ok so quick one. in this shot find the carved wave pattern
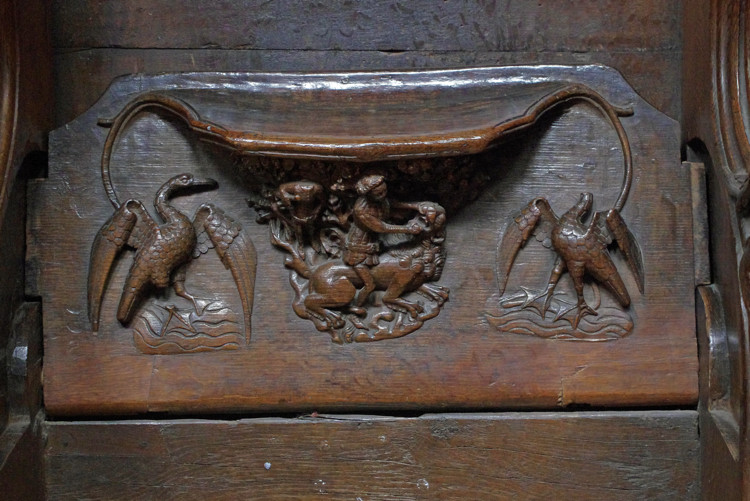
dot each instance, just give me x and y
(517, 314)
(165, 330)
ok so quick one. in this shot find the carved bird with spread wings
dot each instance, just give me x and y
(581, 250)
(163, 250)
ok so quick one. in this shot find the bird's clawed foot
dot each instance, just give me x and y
(532, 300)
(583, 310)
(174, 313)
(561, 310)
(199, 305)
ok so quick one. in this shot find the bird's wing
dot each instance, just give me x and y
(517, 232)
(129, 225)
(543, 232)
(610, 227)
(215, 229)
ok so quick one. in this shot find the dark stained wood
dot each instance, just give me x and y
(21, 449)
(25, 63)
(701, 232)
(605, 455)
(642, 70)
(612, 455)
(719, 427)
(457, 360)
(11, 290)
(715, 130)
(24, 122)
(104, 41)
(560, 25)
(650, 72)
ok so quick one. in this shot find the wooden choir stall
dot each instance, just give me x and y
(374, 250)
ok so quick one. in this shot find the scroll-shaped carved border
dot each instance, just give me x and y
(716, 90)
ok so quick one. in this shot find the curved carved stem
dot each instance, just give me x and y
(141, 103)
(613, 113)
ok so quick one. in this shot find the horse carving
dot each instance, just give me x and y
(403, 269)
(335, 295)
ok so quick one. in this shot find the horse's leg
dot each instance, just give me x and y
(363, 272)
(315, 305)
(392, 296)
(326, 294)
(435, 292)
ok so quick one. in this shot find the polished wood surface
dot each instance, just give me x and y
(25, 63)
(716, 133)
(592, 455)
(104, 41)
(463, 358)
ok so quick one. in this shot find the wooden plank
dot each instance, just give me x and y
(505, 25)
(715, 129)
(651, 73)
(601, 455)
(21, 471)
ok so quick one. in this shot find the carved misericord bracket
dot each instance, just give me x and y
(364, 258)
(418, 174)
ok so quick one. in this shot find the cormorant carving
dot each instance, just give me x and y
(163, 250)
(580, 249)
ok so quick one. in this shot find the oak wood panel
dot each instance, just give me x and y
(25, 63)
(456, 361)
(715, 128)
(624, 455)
(504, 25)
(21, 464)
(25, 118)
(104, 40)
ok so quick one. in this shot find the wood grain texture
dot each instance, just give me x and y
(455, 361)
(505, 25)
(105, 40)
(21, 471)
(715, 122)
(25, 116)
(625, 455)
(25, 63)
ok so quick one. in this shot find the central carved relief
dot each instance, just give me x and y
(357, 257)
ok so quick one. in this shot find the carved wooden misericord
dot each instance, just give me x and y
(388, 206)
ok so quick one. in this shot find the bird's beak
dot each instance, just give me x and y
(205, 184)
(587, 199)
